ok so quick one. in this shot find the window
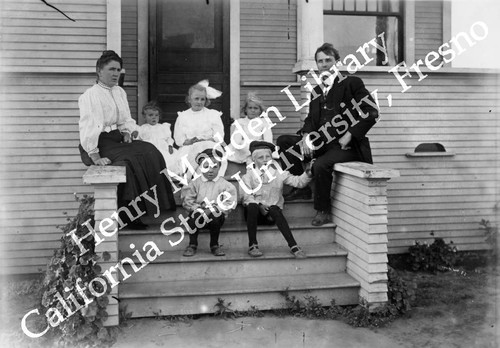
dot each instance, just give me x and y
(349, 24)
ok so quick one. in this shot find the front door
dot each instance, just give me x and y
(189, 42)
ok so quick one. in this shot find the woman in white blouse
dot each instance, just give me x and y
(107, 133)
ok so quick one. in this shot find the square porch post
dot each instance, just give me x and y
(104, 181)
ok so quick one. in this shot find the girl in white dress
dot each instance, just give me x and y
(199, 128)
(160, 135)
(241, 136)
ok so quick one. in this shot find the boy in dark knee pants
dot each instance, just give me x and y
(208, 199)
(262, 192)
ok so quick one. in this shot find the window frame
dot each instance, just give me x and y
(400, 15)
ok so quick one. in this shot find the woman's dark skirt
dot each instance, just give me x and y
(144, 164)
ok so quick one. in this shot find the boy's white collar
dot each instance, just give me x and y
(205, 179)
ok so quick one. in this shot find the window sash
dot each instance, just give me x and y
(332, 7)
(399, 14)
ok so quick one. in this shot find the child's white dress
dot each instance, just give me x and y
(160, 136)
(203, 124)
(239, 145)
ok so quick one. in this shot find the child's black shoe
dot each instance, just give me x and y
(217, 250)
(190, 251)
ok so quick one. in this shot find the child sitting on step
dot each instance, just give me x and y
(249, 127)
(262, 194)
(208, 199)
(199, 128)
(160, 135)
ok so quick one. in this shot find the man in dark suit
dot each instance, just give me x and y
(341, 112)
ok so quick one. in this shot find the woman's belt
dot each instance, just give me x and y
(108, 129)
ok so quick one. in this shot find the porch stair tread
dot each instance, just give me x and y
(232, 225)
(239, 254)
(220, 287)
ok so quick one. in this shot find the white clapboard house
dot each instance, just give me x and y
(435, 147)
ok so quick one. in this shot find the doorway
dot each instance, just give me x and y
(189, 42)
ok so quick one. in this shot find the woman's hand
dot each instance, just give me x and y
(102, 161)
(98, 160)
(345, 140)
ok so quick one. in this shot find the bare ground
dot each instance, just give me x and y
(453, 309)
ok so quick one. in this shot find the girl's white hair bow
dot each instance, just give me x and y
(212, 93)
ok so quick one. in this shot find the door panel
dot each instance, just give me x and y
(189, 42)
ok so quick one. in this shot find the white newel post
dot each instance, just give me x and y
(105, 180)
(360, 211)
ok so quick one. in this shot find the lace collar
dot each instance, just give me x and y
(104, 86)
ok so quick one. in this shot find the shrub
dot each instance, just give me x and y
(431, 258)
(400, 293)
(223, 310)
(400, 297)
(66, 268)
(490, 237)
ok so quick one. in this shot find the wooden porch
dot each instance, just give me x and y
(346, 260)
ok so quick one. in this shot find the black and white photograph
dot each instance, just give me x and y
(249, 173)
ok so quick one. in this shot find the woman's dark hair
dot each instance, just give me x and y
(106, 57)
(328, 49)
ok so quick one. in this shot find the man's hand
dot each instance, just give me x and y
(135, 134)
(306, 150)
(264, 209)
(345, 140)
(308, 168)
(127, 138)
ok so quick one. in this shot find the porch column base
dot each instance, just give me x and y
(104, 181)
(359, 208)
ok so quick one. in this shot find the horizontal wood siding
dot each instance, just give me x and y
(43, 168)
(48, 61)
(428, 27)
(129, 53)
(132, 99)
(129, 40)
(438, 196)
(37, 38)
(268, 52)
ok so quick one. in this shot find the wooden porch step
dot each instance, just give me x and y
(298, 208)
(233, 234)
(277, 261)
(200, 296)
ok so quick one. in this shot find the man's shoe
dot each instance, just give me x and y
(321, 218)
(190, 251)
(217, 250)
(303, 193)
